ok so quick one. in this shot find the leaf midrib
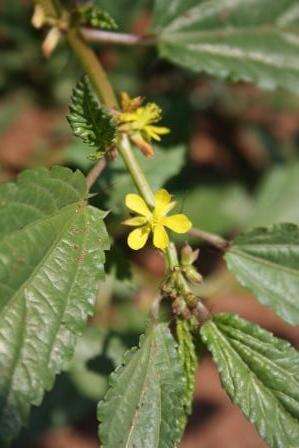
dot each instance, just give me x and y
(262, 293)
(46, 218)
(36, 269)
(226, 341)
(257, 246)
(229, 31)
(58, 326)
(273, 391)
(261, 355)
(89, 105)
(143, 388)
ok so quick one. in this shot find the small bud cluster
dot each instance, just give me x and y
(177, 287)
(188, 257)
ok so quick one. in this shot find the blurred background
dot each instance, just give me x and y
(232, 160)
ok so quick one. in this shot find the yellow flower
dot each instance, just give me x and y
(154, 221)
(139, 122)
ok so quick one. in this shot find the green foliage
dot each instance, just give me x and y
(240, 40)
(266, 260)
(90, 120)
(278, 197)
(51, 256)
(261, 375)
(144, 403)
(92, 15)
(165, 11)
(189, 359)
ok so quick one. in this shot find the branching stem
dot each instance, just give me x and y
(110, 37)
(211, 238)
(93, 68)
(172, 256)
(103, 89)
(95, 172)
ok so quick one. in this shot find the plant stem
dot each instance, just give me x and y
(103, 89)
(95, 172)
(211, 238)
(135, 170)
(110, 37)
(93, 68)
(105, 93)
(172, 256)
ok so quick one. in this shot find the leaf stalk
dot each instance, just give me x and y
(111, 37)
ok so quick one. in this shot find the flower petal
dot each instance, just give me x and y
(138, 237)
(155, 131)
(161, 240)
(178, 223)
(162, 196)
(136, 221)
(163, 202)
(135, 203)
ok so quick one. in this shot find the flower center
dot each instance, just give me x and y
(155, 220)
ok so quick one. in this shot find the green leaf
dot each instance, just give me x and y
(161, 167)
(165, 11)
(260, 373)
(188, 355)
(144, 403)
(216, 208)
(51, 256)
(266, 261)
(278, 197)
(250, 40)
(90, 120)
(94, 16)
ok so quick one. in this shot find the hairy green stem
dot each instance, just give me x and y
(93, 68)
(103, 89)
(111, 37)
(172, 256)
(211, 238)
(135, 170)
(95, 172)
